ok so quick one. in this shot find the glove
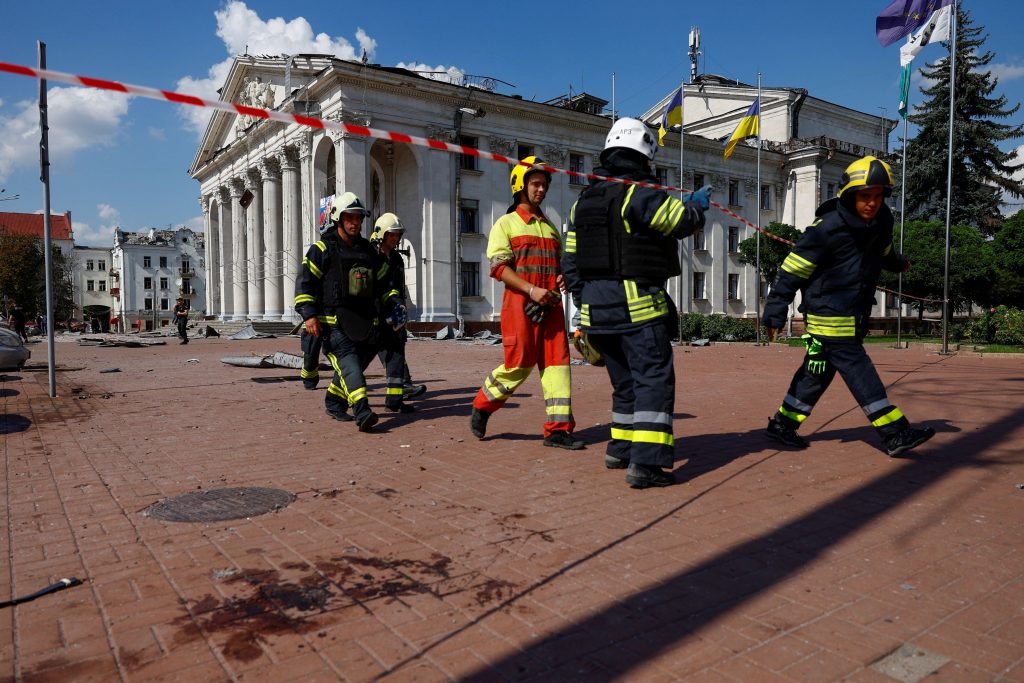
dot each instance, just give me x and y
(397, 317)
(816, 362)
(535, 312)
(702, 198)
(582, 343)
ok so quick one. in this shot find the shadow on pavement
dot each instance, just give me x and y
(12, 424)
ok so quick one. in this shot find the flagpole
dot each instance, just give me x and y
(949, 176)
(682, 141)
(757, 266)
(903, 218)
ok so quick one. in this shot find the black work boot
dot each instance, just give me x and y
(787, 435)
(367, 422)
(563, 439)
(400, 408)
(645, 476)
(340, 415)
(478, 423)
(410, 390)
(907, 438)
(614, 463)
(310, 384)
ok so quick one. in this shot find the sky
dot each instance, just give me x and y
(118, 161)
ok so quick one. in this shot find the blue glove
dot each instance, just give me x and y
(398, 316)
(702, 198)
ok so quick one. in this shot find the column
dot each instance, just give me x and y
(351, 154)
(310, 207)
(291, 210)
(254, 246)
(273, 240)
(224, 258)
(239, 266)
(212, 231)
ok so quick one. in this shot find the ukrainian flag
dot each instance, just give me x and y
(672, 115)
(749, 126)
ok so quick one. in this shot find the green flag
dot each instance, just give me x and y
(905, 89)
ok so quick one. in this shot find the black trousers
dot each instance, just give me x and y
(350, 359)
(182, 333)
(639, 364)
(311, 345)
(851, 361)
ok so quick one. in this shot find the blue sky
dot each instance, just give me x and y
(118, 161)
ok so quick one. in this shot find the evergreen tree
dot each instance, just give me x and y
(981, 170)
(773, 252)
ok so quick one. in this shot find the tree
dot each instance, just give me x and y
(981, 170)
(23, 276)
(971, 273)
(773, 252)
(1007, 251)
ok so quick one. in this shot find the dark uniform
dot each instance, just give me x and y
(311, 345)
(180, 319)
(392, 341)
(836, 265)
(620, 250)
(347, 288)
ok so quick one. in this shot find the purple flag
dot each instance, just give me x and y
(902, 17)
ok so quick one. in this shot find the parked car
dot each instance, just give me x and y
(13, 354)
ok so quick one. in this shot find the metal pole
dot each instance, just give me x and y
(903, 219)
(682, 144)
(757, 266)
(949, 179)
(44, 170)
(614, 117)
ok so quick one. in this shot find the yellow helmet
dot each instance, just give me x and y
(388, 222)
(517, 179)
(866, 172)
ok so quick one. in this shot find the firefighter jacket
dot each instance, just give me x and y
(835, 264)
(529, 245)
(348, 286)
(620, 249)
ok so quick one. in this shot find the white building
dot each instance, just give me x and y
(93, 288)
(151, 269)
(261, 181)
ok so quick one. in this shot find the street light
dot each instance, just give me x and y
(5, 199)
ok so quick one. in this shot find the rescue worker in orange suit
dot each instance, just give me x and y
(387, 233)
(620, 250)
(524, 251)
(343, 291)
(835, 265)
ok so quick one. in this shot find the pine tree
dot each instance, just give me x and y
(981, 170)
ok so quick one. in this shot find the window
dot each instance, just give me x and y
(102, 285)
(524, 151)
(163, 261)
(766, 197)
(165, 305)
(186, 267)
(90, 285)
(186, 287)
(734, 239)
(147, 262)
(148, 304)
(734, 287)
(470, 278)
(184, 240)
(576, 164)
(163, 283)
(698, 286)
(89, 264)
(469, 214)
(734, 192)
(830, 191)
(698, 181)
(662, 174)
(698, 240)
(147, 283)
(101, 265)
(467, 162)
(891, 300)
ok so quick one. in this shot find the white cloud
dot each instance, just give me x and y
(88, 236)
(79, 118)
(108, 213)
(195, 224)
(1007, 72)
(157, 133)
(448, 74)
(243, 31)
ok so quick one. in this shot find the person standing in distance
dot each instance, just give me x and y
(835, 265)
(619, 252)
(181, 319)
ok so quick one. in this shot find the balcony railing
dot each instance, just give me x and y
(187, 272)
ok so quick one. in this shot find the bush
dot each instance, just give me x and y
(716, 328)
(1000, 325)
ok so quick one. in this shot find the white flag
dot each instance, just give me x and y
(933, 30)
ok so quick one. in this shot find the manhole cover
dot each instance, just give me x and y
(217, 505)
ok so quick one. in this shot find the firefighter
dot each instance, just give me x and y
(312, 344)
(620, 250)
(835, 265)
(387, 233)
(343, 290)
(524, 248)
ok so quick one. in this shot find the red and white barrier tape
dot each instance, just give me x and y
(341, 127)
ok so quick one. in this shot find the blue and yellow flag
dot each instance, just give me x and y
(748, 127)
(672, 115)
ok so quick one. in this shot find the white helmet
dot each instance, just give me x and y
(388, 222)
(347, 203)
(632, 134)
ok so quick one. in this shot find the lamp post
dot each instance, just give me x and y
(457, 260)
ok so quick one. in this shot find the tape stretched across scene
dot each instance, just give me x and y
(342, 127)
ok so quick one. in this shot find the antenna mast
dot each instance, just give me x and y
(694, 52)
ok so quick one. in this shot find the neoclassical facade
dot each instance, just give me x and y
(262, 181)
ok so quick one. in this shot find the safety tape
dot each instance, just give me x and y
(342, 127)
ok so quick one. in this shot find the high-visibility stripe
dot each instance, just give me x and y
(794, 402)
(320, 245)
(646, 436)
(875, 406)
(357, 395)
(625, 203)
(831, 326)
(622, 418)
(622, 434)
(304, 299)
(890, 417)
(652, 417)
(798, 266)
(309, 374)
(792, 414)
(329, 319)
(393, 391)
(570, 242)
(312, 268)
